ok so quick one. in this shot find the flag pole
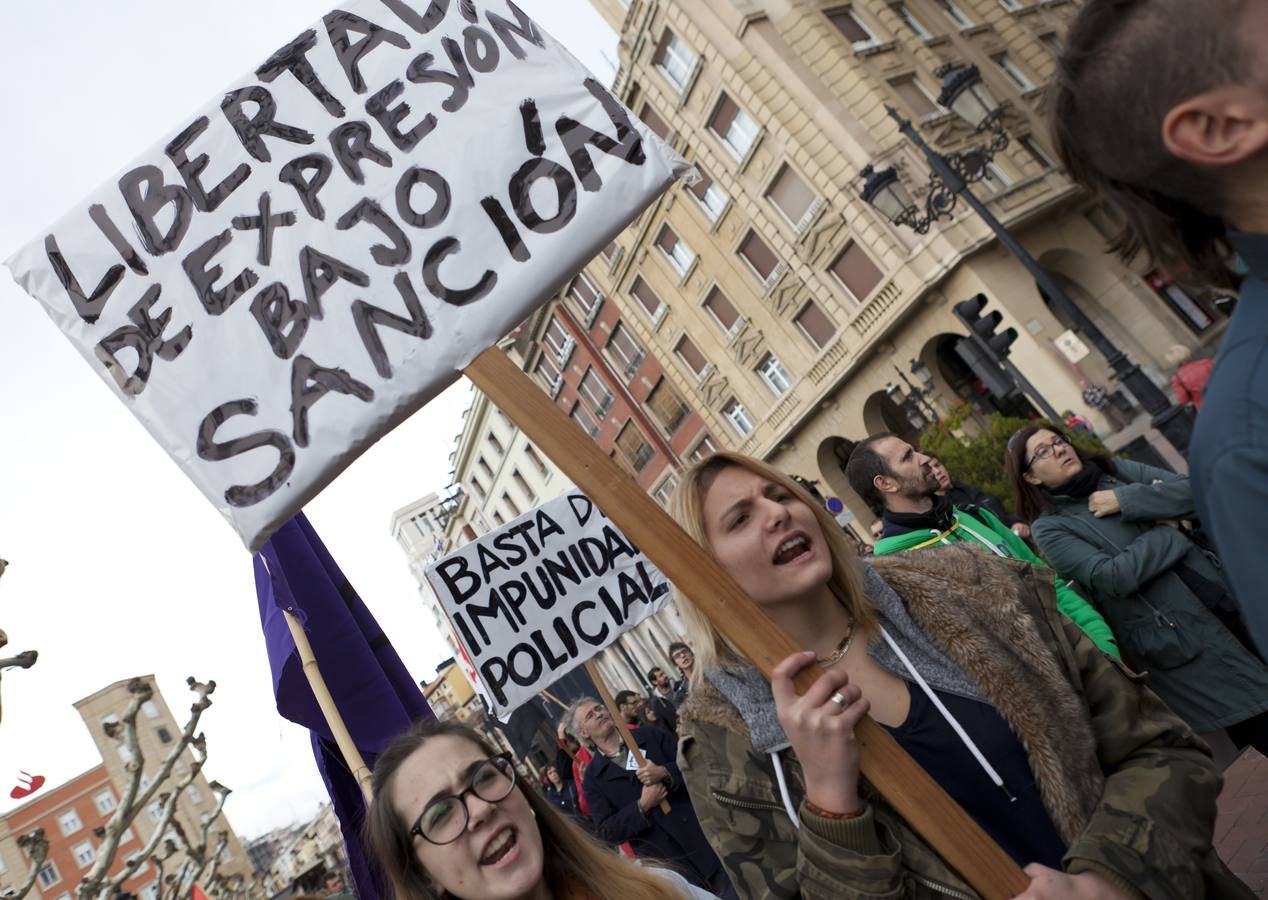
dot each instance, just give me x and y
(898, 778)
(351, 755)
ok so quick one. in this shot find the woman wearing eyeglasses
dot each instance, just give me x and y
(450, 819)
(1110, 525)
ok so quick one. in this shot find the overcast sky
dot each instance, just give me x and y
(118, 565)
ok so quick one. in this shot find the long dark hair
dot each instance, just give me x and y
(571, 855)
(1124, 66)
(1031, 500)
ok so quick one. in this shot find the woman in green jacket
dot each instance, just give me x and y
(1106, 524)
(1061, 754)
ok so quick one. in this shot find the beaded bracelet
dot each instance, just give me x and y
(822, 813)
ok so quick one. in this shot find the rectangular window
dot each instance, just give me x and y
(634, 446)
(738, 416)
(955, 14)
(582, 417)
(1014, 72)
(69, 822)
(585, 297)
(723, 312)
(916, 98)
(679, 254)
(480, 490)
(625, 350)
(156, 810)
(994, 178)
(595, 392)
(548, 374)
(795, 199)
(498, 519)
(774, 375)
(1012, 5)
(495, 444)
(1036, 152)
(612, 252)
(529, 495)
(712, 199)
(654, 121)
(675, 60)
(667, 405)
(150, 708)
(856, 272)
(164, 736)
(194, 794)
(733, 127)
(48, 875)
(815, 325)
(646, 297)
(858, 34)
(485, 467)
(535, 458)
(557, 340)
(663, 491)
(753, 250)
(84, 854)
(917, 27)
(510, 505)
(691, 356)
(105, 801)
(703, 450)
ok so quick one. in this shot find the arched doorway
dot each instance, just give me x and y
(831, 457)
(890, 410)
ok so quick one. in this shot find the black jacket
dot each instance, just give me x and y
(674, 837)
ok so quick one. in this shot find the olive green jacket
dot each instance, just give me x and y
(1127, 784)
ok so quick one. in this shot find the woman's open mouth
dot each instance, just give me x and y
(792, 550)
(502, 849)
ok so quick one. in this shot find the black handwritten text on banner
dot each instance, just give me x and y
(539, 596)
(320, 251)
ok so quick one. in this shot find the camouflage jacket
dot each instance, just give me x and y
(1127, 783)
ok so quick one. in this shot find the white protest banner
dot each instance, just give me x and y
(311, 257)
(539, 596)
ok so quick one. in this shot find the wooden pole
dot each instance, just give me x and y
(899, 779)
(351, 755)
(615, 713)
(553, 699)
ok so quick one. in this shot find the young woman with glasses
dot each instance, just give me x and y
(450, 818)
(1111, 525)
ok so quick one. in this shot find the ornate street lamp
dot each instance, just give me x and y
(922, 374)
(964, 93)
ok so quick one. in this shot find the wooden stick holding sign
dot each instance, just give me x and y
(639, 759)
(900, 780)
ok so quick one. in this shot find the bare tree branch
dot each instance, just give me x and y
(36, 846)
(96, 883)
(23, 660)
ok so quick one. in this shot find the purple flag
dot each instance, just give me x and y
(370, 685)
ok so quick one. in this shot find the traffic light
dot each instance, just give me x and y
(985, 348)
(970, 313)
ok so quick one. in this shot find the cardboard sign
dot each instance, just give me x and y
(315, 254)
(1071, 346)
(539, 596)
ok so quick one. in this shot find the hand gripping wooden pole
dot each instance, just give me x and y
(351, 755)
(626, 736)
(898, 778)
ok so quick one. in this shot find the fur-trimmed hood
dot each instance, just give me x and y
(997, 620)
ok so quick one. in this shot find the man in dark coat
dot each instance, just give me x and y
(625, 799)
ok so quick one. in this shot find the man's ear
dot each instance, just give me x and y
(884, 484)
(1221, 127)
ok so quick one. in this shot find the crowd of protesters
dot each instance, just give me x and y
(1057, 663)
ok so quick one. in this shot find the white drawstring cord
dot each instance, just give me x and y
(783, 789)
(946, 714)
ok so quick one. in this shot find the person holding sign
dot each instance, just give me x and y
(1059, 752)
(450, 818)
(625, 798)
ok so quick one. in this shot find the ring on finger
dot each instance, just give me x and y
(840, 700)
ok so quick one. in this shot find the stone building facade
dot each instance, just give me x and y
(787, 309)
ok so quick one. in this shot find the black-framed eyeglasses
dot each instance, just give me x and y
(1043, 451)
(444, 819)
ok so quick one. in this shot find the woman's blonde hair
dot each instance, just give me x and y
(687, 507)
(570, 855)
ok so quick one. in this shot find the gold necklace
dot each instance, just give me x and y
(827, 662)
